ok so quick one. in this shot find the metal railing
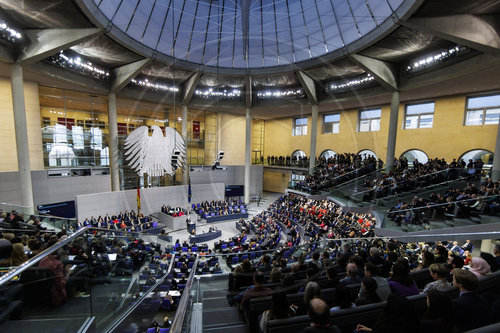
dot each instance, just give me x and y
(441, 204)
(416, 179)
(180, 316)
(36, 259)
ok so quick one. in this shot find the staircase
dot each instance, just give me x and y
(218, 315)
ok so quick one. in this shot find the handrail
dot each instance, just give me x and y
(441, 204)
(182, 307)
(30, 230)
(139, 301)
(429, 174)
(356, 179)
(24, 266)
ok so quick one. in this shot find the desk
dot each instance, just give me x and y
(205, 237)
(173, 293)
(218, 218)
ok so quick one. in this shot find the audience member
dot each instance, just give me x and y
(470, 310)
(440, 274)
(318, 311)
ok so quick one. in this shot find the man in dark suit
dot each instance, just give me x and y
(319, 313)
(470, 310)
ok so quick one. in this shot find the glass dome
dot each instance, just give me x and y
(246, 33)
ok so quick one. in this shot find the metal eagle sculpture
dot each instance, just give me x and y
(153, 154)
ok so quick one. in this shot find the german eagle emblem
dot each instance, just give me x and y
(155, 155)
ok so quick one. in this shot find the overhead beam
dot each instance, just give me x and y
(383, 72)
(189, 88)
(479, 32)
(309, 87)
(122, 75)
(46, 42)
(57, 73)
(248, 92)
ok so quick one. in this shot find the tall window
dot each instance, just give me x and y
(369, 120)
(331, 123)
(299, 126)
(483, 110)
(419, 115)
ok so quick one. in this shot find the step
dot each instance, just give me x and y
(242, 328)
(214, 303)
(213, 318)
(476, 219)
(438, 225)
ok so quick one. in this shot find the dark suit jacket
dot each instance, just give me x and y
(470, 311)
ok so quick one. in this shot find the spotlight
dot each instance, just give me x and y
(175, 159)
(217, 160)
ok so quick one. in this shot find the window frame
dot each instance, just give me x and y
(419, 115)
(483, 109)
(302, 127)
(360, 111)
(331, 122)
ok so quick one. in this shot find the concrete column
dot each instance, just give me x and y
(314, 134)
(23, 153)
(393, 131)
(184, 134)
(248, 143)
(495, 172)
(113, 142)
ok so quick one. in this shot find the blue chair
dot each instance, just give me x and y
(190, 264)
(151, 330)
(184, 249)
(166, 305)
(181, 286)
(193, 206)
(245, 256)
(234, 260)
(231, 244)
(194, 249)
(252, 256)
(164, 287)
(223, 246)
(164, 330)
(143, 277)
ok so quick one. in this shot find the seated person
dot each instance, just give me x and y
(318, 311)
(352, 277)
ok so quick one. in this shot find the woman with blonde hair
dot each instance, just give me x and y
(17, 256)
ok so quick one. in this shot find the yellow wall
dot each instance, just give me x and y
(448, 138)
(275, 181)
(232, 142)
(8, 162)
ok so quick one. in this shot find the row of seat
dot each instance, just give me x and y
(347, 319)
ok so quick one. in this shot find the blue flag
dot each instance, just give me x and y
(189, 189)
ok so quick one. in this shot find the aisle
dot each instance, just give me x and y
(218, 316)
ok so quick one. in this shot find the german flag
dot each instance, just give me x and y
(138, 200)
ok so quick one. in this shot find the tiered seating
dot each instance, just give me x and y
(337, 170)
(221, 210)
